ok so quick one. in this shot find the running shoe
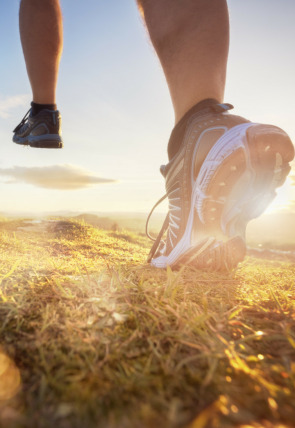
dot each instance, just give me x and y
(42, 130)
(225, 173)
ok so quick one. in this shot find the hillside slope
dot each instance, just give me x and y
(91, 336)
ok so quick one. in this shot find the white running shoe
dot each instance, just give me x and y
(225, 173)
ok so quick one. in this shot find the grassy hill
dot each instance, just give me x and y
(273, 230)
(134, 222)
(276, 230)
(92, 336)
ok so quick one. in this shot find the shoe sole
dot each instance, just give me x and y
(240, 177)
(236, 183)
(215, 255)
(42, 142)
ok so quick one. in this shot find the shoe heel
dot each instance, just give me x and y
(270, 150)
(245, 182)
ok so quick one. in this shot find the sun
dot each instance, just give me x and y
(285, 198)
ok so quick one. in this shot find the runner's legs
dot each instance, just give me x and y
(191, 39)
(42, 38)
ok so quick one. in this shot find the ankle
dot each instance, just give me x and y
(36, 108)
(178, 131)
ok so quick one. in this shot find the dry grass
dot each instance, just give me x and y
(91, 336)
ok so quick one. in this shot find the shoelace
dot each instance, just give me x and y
(157, 240)
(24, 120)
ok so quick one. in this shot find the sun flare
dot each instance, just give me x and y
(285, 199)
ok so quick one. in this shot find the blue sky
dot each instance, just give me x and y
(117, 115)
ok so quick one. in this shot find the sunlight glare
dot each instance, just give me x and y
(285, 198)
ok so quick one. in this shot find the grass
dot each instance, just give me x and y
(91, 336)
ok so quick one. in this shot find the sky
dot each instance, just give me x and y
(115, 105)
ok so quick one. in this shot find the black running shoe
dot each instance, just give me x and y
(225, 173)
(42, 130)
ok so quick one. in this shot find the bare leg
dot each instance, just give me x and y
(42, 37)
(191, 38)
(228, 168)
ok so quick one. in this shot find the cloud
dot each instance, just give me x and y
(60, 177)
(9, 103)
(292, 179)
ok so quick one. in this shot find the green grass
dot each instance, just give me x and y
(91, 336)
